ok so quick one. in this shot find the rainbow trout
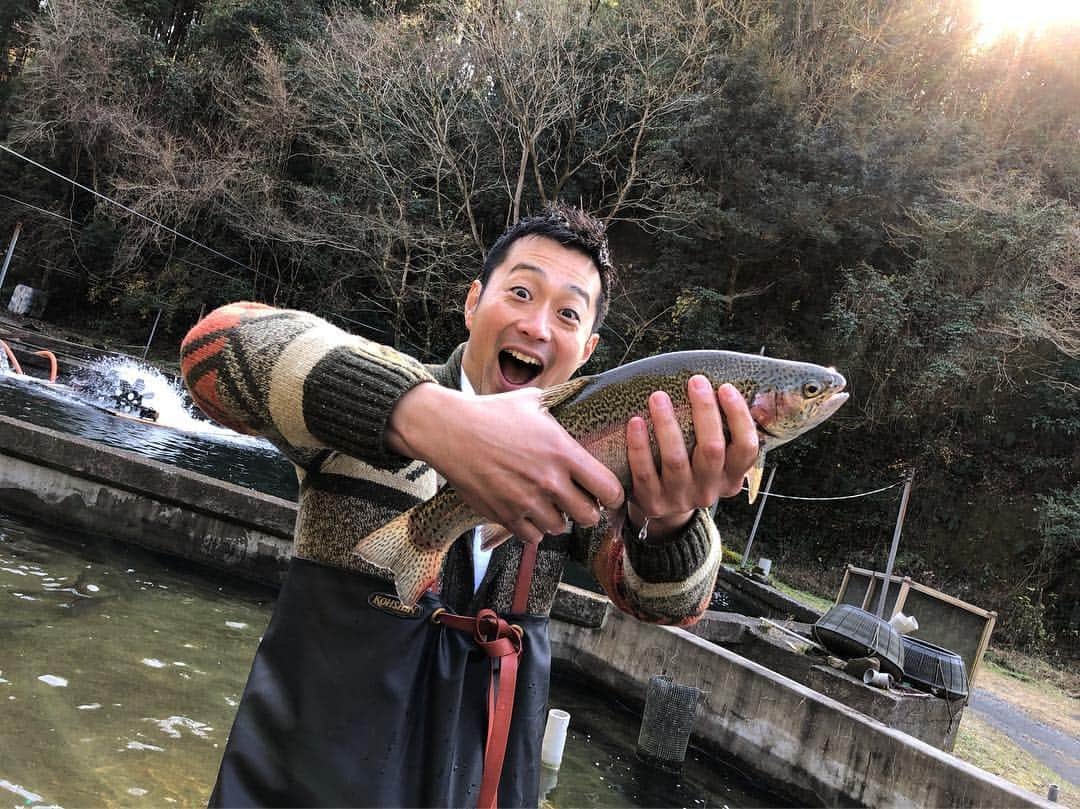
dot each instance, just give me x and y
(786, 399)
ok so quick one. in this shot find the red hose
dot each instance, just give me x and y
(11, 358)
(52, 362)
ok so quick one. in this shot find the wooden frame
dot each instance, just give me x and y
(874, 581)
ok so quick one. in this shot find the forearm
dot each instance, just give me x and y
(418, 418)
(296, 379)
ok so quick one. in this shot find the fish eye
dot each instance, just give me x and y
(812, 388)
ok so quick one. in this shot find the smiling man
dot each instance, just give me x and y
(354, 699)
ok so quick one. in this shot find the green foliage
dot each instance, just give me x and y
(1059, 524)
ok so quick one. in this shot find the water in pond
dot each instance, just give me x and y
(177, 438)
(120, 674)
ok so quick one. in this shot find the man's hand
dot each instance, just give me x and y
(507, 457)
(669, 495)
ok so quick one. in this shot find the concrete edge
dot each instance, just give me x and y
(128, 471)
(798, 741)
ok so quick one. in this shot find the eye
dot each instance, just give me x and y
(521, 292)
(812, 388)
(570, 314)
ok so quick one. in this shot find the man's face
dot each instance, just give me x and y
(532, 326)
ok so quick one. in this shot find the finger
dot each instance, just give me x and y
(675, 472)
(580, 507)
(742, 450)
(524, 530)
(643, 473)
(547, 517)
(710, 445)
(599, 483)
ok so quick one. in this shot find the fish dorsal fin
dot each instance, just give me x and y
(557, 394)
(753, 477)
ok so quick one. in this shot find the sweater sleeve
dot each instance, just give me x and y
(299, 381)
(668, 582)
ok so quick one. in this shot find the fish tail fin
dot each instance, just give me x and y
(393, 548)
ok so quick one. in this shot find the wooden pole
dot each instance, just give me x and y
(895, 543)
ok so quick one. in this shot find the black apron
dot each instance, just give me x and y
(351, 704)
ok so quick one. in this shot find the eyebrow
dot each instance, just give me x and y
(540, 270)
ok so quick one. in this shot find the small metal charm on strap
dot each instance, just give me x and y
(643, 534)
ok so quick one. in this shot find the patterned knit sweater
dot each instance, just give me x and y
(324, 397)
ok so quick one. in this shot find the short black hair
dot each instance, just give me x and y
(570, 227)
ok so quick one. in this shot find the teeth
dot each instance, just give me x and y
(522, 358)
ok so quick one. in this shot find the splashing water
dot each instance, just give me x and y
(107, 380)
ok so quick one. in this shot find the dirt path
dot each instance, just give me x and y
(1055, 748)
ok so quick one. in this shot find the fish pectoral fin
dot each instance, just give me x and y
(753, 476)
(557, 394)
(492, 534)
(392, 548)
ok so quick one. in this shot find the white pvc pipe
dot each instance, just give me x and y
(904, 623)
(878, 679)
(551, 751)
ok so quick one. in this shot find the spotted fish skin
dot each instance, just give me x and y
(786, 399)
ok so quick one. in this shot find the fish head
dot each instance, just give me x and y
(797, 398)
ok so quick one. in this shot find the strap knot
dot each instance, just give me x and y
(495, 636)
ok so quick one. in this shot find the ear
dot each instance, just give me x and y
(471, 300)
(590, 347)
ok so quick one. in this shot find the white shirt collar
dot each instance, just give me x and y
(480, 557)
(466, 385)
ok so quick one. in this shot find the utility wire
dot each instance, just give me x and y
(129, 210)
(838, 497)
(77, 226)
(39, 210)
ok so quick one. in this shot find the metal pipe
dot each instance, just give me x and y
(757, 517)
(10, 250)
(151, 338)
(895, 543)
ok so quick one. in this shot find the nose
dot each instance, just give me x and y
(536, 324)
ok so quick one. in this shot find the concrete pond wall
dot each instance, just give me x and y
(797, 740)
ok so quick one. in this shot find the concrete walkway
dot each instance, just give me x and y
(1058, 751)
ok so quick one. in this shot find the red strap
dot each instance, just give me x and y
(524, 578)
(502, 643)
(500, 711)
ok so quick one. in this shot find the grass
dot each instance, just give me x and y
(989, 749)
(809, 599)
(819, 603)
(1035, 670)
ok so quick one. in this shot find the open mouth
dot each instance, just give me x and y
(518, 368)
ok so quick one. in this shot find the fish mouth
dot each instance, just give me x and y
(519, 368)
(765, 432)
(832, 405)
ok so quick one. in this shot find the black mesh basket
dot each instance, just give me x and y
(667, 722)
(931, 668)
(849, 631)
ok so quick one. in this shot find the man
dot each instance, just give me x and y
(354, 699)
